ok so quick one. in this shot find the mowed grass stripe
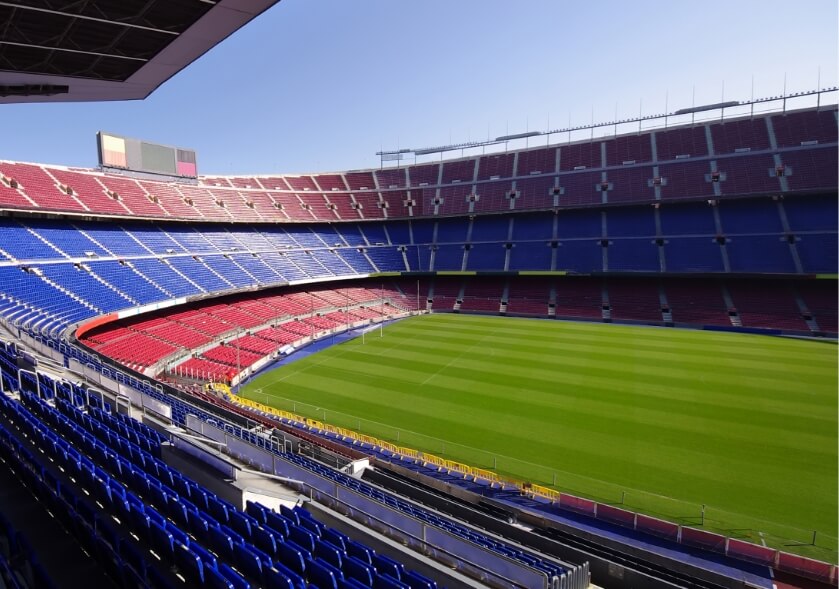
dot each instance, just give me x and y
(695, 452)
(679, 397)
(568, 428)
(572, 352)
(597, 401)
(689, 422)
(721, 344)
(607, 455)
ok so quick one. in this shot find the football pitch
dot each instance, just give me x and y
(659, 420)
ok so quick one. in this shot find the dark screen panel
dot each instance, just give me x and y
(157, 158)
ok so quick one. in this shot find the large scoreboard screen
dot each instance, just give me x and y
(116, 151)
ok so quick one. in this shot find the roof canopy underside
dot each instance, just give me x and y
(77, 50)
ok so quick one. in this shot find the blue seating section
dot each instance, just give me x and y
(448, 257)
(817, 252)
(549, 568)
(814, 213)
(580, 255)
(759, 253)
(191, 239)
(84, 285)
(633, 255)
(693, 254)
(126, 280)
(748, 216)
(163, 275)
(168, 499)
(493, 228)
(222, 240)
(350, 235)
(19, 567)
(198, 273)
(579, 223)
(226, 267)
(374, 233)
(533, 227)
(308, 264)
(422, 231)
(304, 237)
(451, 231)
(693, 218)
(333, 262)
(386, 257)
(279, 238)
(283, 266)
(221, 259)
(399, 232)
(530, 256)
(67, 239)
(180, 525)
(631, 222)
(114, 239)
(30, 294)
(254, 265)
(24, 245)
(356, 261)
(486, 256)
(152, 237)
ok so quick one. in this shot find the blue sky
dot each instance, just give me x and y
(321, 85)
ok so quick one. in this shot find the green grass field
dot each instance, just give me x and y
(662, 419)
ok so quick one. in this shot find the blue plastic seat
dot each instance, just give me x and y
(178, 534)
(257, 510)
(329, 553)
(266, 540)
(315, 527)
(361, 571)
(323, 574)
(279, 523)
(417, 581)
(199, 526)
(239, 522)
(302, 537)
(293, 556)
(335, 537)
(221, 543)
(208, 559)
(237, 580)
(360, 552)
(162, 542)
(247, 562)
(387, 566)
(189, 564)
(215, 580)
(177, 511)
(217, 509)
(290, 514)
(276, 579)
(388, 582)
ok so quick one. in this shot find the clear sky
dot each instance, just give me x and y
(321, 85)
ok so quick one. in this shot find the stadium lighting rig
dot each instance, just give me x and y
(400, 154)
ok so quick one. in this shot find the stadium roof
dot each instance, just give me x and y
(80, 50)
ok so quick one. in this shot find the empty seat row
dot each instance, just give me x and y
(195, 534)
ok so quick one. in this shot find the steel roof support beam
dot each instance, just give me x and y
(90, 18)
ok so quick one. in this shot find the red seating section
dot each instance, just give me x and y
(684, 156)
(141, 342)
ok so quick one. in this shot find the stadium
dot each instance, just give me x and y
(595, 355)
